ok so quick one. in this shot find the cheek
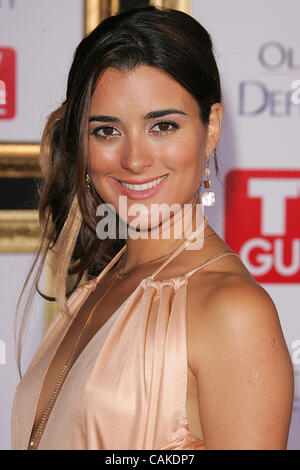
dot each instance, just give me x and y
(101, 160)
(186, 153)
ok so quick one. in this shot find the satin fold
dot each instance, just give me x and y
(128, 387)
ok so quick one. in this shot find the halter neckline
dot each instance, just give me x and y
(193, 242)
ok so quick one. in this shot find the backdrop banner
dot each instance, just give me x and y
(257, 209)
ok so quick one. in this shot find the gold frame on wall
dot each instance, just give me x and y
(19, 231)
(183, 5)
(19, 160)
(96, 10)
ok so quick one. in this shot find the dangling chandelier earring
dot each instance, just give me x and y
(208, 197)
(88, 181)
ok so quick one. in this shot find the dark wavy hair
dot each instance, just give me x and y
(167, 39)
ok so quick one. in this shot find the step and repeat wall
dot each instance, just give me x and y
(257, 209)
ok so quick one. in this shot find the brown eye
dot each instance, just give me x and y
(104, 132)
(164, 127)
(107, 130)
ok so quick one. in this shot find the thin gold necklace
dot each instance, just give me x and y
(37, 430)
(119, 275)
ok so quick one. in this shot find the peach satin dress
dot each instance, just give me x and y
(128, 387)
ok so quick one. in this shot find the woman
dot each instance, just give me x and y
(173, 345)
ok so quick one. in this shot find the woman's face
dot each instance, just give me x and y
(144, 126)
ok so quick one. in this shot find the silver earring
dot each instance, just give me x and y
(88, 181)
(208, 197)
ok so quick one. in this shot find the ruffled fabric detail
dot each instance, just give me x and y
(174, 282)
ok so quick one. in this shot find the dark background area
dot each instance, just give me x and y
(125, 4)
(18, 194)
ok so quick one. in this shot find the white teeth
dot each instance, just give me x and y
(142, 187)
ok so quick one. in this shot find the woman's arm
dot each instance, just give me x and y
(243, 369)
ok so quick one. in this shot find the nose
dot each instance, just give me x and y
(136, 155)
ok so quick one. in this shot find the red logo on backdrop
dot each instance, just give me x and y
(262, 222)
(7, 83)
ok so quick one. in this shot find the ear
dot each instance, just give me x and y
(214, 127)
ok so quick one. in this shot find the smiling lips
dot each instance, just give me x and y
(141, 190)
(143, 186)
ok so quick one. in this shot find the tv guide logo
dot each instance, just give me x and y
(7, 83)
(262, 222)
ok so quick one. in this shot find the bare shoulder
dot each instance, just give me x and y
(238, 356)
(226, 302)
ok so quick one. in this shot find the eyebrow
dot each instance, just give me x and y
(151, 115)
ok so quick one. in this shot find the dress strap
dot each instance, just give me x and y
(109, 266)
(213, 258)
(186, 244)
